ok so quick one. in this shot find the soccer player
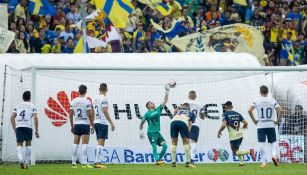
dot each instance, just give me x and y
(152, 116)
(182, 123)
(81, 121)
(232, 120)
(101, 111)
(194, 132)
(266, 121)
(21, 121)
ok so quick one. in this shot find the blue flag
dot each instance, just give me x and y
(41, 7)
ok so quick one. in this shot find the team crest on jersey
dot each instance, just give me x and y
(57, 110)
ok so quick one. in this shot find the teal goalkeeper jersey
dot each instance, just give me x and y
(153, 119)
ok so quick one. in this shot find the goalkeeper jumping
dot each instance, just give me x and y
(152, 116)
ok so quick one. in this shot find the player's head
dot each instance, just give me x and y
(185, 106)
(228, 105)
(150, 105)
(26, 96)
(192, 95)
(103, 87)
(82, 89)
(264, 90)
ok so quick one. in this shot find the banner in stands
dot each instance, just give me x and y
(6, 38)
(228, 38)
(128, 93)
(3, 16)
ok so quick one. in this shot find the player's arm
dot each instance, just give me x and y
(251, 114)
(13, 116)
(224, 124)
(105, 111)
(202, 114)
(71, 119)
(245, 124)
(36, 125)
(165, 97)
(280, 113)
(91, 117)
(141, 127)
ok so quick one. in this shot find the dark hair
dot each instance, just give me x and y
(186, 106)
(300, 107)
(264, 89)
(103, 87)
(82, 89)
(147, 104)
(228, 104)
(25, 42)
(26, 96)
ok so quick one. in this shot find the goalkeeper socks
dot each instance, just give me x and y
(174, 149)
(262, 152)
(74, 154)
(243, 152)
(273, 148)
(20, 154)
(84, 154)
(98, 154)
(193, 150)
(162, 153)
(155, 152)
(28, 154)
(187, 152)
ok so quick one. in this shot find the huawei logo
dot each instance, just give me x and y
(58, 109)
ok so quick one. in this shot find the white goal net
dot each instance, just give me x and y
(130, 89)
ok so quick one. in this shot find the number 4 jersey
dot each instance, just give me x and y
(80, 106)
(24, 113)
(266, 111)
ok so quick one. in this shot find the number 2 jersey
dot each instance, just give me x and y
(266, 111)
(80, 106)
(233, 121)
(24, 113)
(100, 102)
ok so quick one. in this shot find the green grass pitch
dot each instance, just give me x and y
(201, 169)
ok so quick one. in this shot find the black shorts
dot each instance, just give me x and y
(23, 134)
(194, 133)
(81, 129)
(235, 144)
(101, 131)
(266, 132)
(179, 127)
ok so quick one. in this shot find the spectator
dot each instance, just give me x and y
(12, 48)
(176, 8)
(286, 50)
(57, 47)
(298, 53)
(73, 16)
(296, 122)
(67, 33)
(184, 17)
(213, 9)
(39, 42)
(127, 46)
(20, 11)
(22, 44)
(138, 36)
(257, 19)
(47, 46)
(69, 46)
(13, 28)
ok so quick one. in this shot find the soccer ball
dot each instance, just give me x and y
(172, 83)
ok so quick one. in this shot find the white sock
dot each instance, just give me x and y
(193, 150)
(273, 149)
(99, 151)
(20, 154)
(84, 154)
(28, 151)
(262, 152)
(74, 154)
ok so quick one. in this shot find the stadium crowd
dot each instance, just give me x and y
(283, 23)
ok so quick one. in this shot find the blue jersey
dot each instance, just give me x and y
(233, 120)
(185, 115)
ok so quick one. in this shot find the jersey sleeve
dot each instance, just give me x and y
(144, 117)
(160, 108)
(89, 105)
(276, 105)
(104, 103)
(34, 110)
(15, 110)
(223, 117)
(254, 104)
(241, 117)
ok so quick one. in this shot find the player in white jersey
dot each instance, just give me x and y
(196, 108)
(81, 120)
(266, 122)
(21, 120)
(101, 106)
(181, 123)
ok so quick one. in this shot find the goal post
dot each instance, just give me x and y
(129, 90)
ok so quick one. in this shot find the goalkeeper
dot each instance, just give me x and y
(152, 116)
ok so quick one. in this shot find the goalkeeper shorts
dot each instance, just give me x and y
(155, 138)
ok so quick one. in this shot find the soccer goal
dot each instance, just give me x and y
(130, 88)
